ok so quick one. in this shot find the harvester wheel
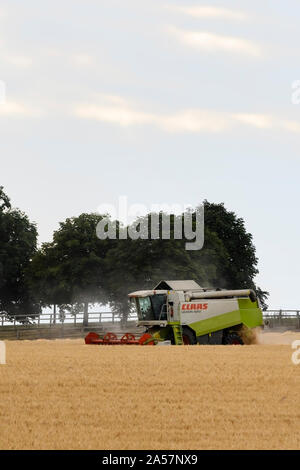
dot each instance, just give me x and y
(188, 336)
(127, 338)
(232, 338)
(91, 337)
(109, 337)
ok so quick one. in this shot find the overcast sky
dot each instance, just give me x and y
(164, 102)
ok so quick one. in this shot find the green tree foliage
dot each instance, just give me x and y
(227, 259)
(69, 271)
(77, 267)
(240, 268)
(17, 246)
(140, 264)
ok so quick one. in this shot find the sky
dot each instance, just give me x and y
(161, 102)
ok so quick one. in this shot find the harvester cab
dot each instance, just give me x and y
(185, 313)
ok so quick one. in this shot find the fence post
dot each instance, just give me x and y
(280, 317)
(54, 314)
(39, 320)
(298, 317)
(86, 314)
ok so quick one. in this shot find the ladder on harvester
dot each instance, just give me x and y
(177, 330)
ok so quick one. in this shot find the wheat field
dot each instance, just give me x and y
(63, 394)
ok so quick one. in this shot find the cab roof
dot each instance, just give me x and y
(177, 285)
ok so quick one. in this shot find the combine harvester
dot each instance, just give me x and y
(182, 312)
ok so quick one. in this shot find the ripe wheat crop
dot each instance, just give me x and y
(64, 394)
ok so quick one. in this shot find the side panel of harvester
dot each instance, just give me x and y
(212, 315)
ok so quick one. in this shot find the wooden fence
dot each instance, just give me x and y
(49, 319)
(282, 318)
(49, 325)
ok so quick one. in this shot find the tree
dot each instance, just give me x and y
(77, 268)
(142, 263)
(227, 259)
(69, 271)
(18, 238)
(240, 268)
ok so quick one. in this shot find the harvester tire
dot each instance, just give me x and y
(188, 336)
(232, 338)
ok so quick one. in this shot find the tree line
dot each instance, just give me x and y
(76, 268)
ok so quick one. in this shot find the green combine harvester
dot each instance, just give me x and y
(184, 313)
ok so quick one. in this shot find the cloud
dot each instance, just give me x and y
(16, 60)
(260, 121)
(116, 110)
(292, 126)
(15, 109)
(82, 60)
(195, 121)
(210, 42)
(267, 121)
(19, 61)
(211, 12)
